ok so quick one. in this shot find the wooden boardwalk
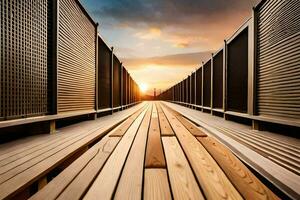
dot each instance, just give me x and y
(276, 157)
(155, 153)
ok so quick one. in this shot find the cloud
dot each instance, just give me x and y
(162, 72)
(188, 60)
(149, 34)
(183, 23)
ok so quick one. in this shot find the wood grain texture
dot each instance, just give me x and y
(156, 185)
(121, 130)
(131, 181)
(281, 177)
(212, 179)
(191, 127)
(188, 124)
(22, 176)
(182, 180)
(154, 152)
(66, 181)
(165, 127)
(247, 184)
(80, 184)
(105, 183)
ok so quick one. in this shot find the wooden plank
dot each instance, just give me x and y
(87, 166)
(31, 172)
(282, 178)
(105, 183)
(37, 155)
(15, 155)
(130, 183)
(19, 148)
(41, 157)
(291, 163)
(212, 179)
(182, 180)
(156, 185)
(77, 188)
(188, 124)
(165, 127)
(59, 183)
(38, 142)
(191, 127)
(242, 178)
(121, 130)
(154, 152)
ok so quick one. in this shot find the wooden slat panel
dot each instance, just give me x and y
(154, 151)
(76, 58)
(182, 180)
(130, 184)
(207, 84)
(156, 185)
(218, 80)
(106, 181)
(242, 178)
(212, 179)
(278, 58)
(237, 73)
(24, 58)
(104, 75)
(165, 127)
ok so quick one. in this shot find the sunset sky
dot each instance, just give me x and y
(160, 42)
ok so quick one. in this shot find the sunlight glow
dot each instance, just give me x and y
(143, 87)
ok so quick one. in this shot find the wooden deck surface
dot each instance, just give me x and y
(276, 157)
(156, 154)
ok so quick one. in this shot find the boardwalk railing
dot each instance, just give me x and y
(255, 74)
(54, 65)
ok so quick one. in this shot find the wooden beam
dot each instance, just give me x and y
(242, 178)
(156, 185)
(212, 179)
(154, 152)
(105, 183)
(182, 180)
(130, 184)
(165, 127)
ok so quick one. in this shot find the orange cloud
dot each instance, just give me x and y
(149, 34)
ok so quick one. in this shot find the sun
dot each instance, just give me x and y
(143, 87)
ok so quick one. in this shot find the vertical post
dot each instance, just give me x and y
(225, 64)
(255, 124)
(195, 89)
(224, 75)
(112, 80)
(53, 52)
(173, 93)
(125, 84)
(97, 70)
(52, 126)
(202, 71)
(121, 86)
(54, 57)
(179, 92)
(191, 90)
(187, 90)
(255, 66)
(251, 64)
(212, 82)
